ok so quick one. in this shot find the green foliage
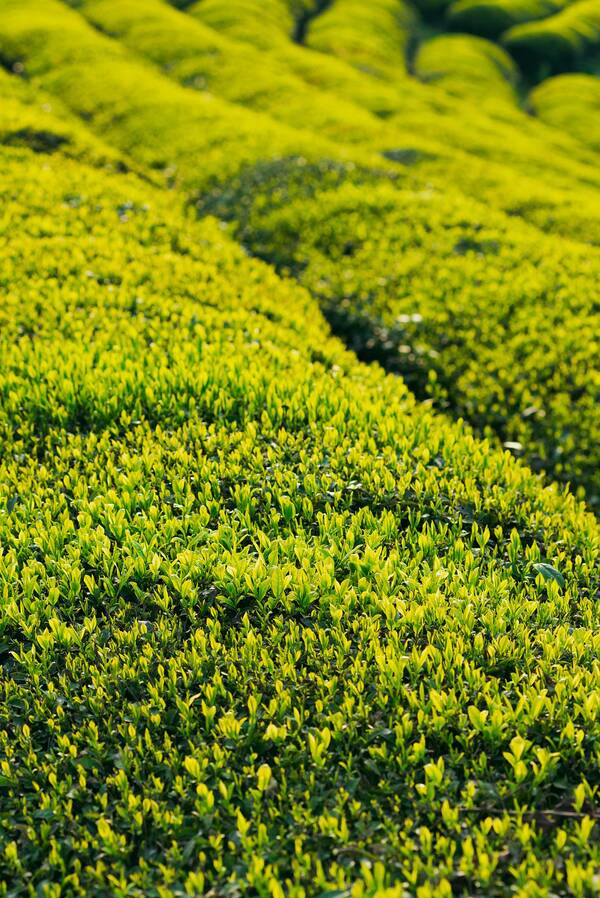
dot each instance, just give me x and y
(559, 43)
(490, 150)
(490, 18)
(266, 23)
(39, 123)
(271, 625)
(467, 66)
(201, 58)
(571, 102)
(132, 104)
(373, 37)
(551, 411)
(406, 277)
(268, 625)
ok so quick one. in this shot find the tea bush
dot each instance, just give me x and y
(475, 148)
(467, 66)
(265, 23)
(571, 102)
(269, 627)
(490, 18)
(559, 43)
(550, 412)
(408, 278)
(271, 624)
(374, 37)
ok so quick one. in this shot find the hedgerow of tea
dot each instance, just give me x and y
(299, 565)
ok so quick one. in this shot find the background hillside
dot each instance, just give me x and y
(300, 430)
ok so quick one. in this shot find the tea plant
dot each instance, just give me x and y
(445, 349)
(272, 625)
